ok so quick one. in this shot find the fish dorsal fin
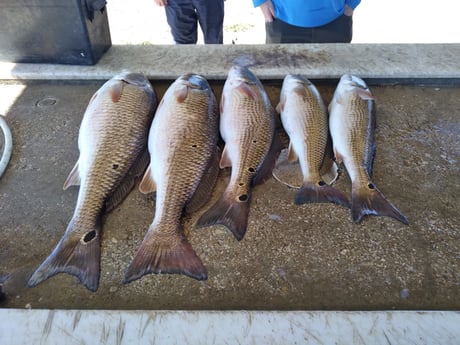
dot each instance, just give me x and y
(147, 184)
(115, 90)
(280, 106)
(128, 182)
(292, 155)
(248, 91)
(225, 161)
(181, 93)
(74, 177)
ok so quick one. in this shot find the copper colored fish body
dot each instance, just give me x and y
(305, 119)
(112, 142)
(182, 144)
(352, 125)
(247, 125)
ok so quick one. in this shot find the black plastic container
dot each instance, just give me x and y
(72, 32)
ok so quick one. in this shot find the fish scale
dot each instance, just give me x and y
(305, 120)
(182, 144)
(248, 127)
(352, 124)
(112, 141)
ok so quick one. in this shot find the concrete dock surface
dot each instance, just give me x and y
(293, 258)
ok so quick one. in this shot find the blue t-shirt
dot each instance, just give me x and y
(309, 13)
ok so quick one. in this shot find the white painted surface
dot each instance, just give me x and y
(231, 327)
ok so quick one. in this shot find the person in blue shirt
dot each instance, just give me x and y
(308, 21)
(183, 17)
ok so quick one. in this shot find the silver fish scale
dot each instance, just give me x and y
(252, 121)
(192, 139)
(361, 138)
(120, 132)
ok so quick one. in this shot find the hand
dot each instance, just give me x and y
(348, 11)
(268, 11)
(161, 2)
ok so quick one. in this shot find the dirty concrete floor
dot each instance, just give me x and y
(292, 257)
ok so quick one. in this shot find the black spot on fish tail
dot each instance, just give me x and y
(320, 193)
(371, 201)
(79, 257)
(155, 255)
(230, 211)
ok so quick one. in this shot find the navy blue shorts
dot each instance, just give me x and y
(183, 17)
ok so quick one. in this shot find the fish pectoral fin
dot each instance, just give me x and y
(364, 94)
(74, 177)
(181, 93)
(158, 254)
(280, 106)
(292, 155)
(225, 161)
(248, 91)
(147, 184)
(116, 90)
(79, 257)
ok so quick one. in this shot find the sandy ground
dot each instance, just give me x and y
(391, 21)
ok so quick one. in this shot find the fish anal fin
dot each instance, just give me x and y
(292, 155)
(369, 200)
(79, 257)
(128, 182)
(74, 177)
(116, 89)
(230, 211)
(225, 161)
(147, 184)
(160, 255)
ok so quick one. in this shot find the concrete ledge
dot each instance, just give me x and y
(231, 327)
(317, 61)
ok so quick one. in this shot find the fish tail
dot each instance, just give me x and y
(369, 200)
(320, 192)
(160, 254)
(229, 211)
(77, 256)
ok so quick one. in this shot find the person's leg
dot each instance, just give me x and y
(278, 31)
(211, 18)
(182, 20)
(337, 31)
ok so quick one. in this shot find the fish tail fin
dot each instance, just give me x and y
(229, 211)
(369, 200)
(160, 254)
(320, 192)
(78, 256)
